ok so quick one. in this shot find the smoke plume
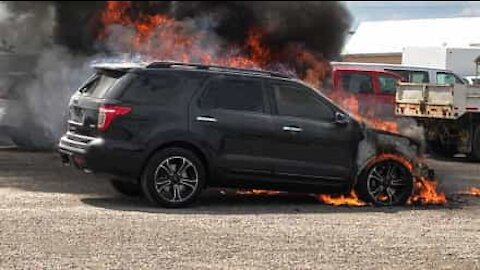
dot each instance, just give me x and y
(63, 37)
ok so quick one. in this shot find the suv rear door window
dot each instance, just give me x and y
(358, 83)
(388, 84)
(234, 94)
(295, 101)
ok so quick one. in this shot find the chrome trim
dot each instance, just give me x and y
(206, 119)
(82, 137)
(69, 149)
(292, 129)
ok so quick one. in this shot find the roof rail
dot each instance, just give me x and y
(167, 64)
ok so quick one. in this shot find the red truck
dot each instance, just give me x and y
(373, 90)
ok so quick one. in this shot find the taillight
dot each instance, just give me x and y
(108, 113)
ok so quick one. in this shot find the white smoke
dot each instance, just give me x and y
(38, 98)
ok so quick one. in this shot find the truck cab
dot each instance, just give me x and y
(374, 89)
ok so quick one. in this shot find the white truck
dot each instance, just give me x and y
(450, 114)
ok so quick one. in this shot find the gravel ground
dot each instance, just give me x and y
(56, 217)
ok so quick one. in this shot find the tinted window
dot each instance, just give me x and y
(357, 82)
(151, 89)
(447, 78)
(234, 94)
(388, 84)
(295, 101)
(412, 76)
(98, 86)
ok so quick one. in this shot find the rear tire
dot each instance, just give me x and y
(125, 188)
(385, 183)
(173, 178)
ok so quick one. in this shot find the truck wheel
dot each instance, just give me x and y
(174, 177)
(385, 183)
(475, 154)
(125, 188)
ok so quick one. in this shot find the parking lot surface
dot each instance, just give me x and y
(54, 216)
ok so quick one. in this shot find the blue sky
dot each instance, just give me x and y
(394, 10)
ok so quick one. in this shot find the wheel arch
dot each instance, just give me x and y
(386, 155)
(185, 144)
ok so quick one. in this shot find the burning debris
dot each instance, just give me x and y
(471, 191)
(350, 200)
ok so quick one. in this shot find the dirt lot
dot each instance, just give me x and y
(57, 217)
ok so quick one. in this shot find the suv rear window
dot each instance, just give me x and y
(234, 94)
(99, 84)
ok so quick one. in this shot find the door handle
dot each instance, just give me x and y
(292, 129)
(206, 119)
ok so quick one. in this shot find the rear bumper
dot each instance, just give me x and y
(96, 155)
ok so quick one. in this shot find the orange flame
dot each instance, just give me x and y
(258, 192)
(472, 191)
(160, 36)
(350, 200)
(425, 192)
(350, 103)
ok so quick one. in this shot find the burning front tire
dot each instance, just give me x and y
(385, 183)
(127, 189)
(173, 178)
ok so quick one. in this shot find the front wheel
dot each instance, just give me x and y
(173, 178)
(385, 183)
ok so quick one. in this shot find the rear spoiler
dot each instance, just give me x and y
(117, 66)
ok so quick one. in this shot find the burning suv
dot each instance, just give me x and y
(169, 130)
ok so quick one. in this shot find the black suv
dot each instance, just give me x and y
(171, 129)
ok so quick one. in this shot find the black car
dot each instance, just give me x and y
(170, 130)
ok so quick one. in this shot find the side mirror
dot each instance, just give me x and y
(341, 119)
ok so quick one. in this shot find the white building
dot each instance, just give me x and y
(385, 41)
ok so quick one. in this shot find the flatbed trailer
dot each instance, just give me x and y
(449, 113)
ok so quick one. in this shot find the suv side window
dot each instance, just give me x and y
(151, 89)
(358, 83)
(292, 100)
(388, 84)
(234, 94)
